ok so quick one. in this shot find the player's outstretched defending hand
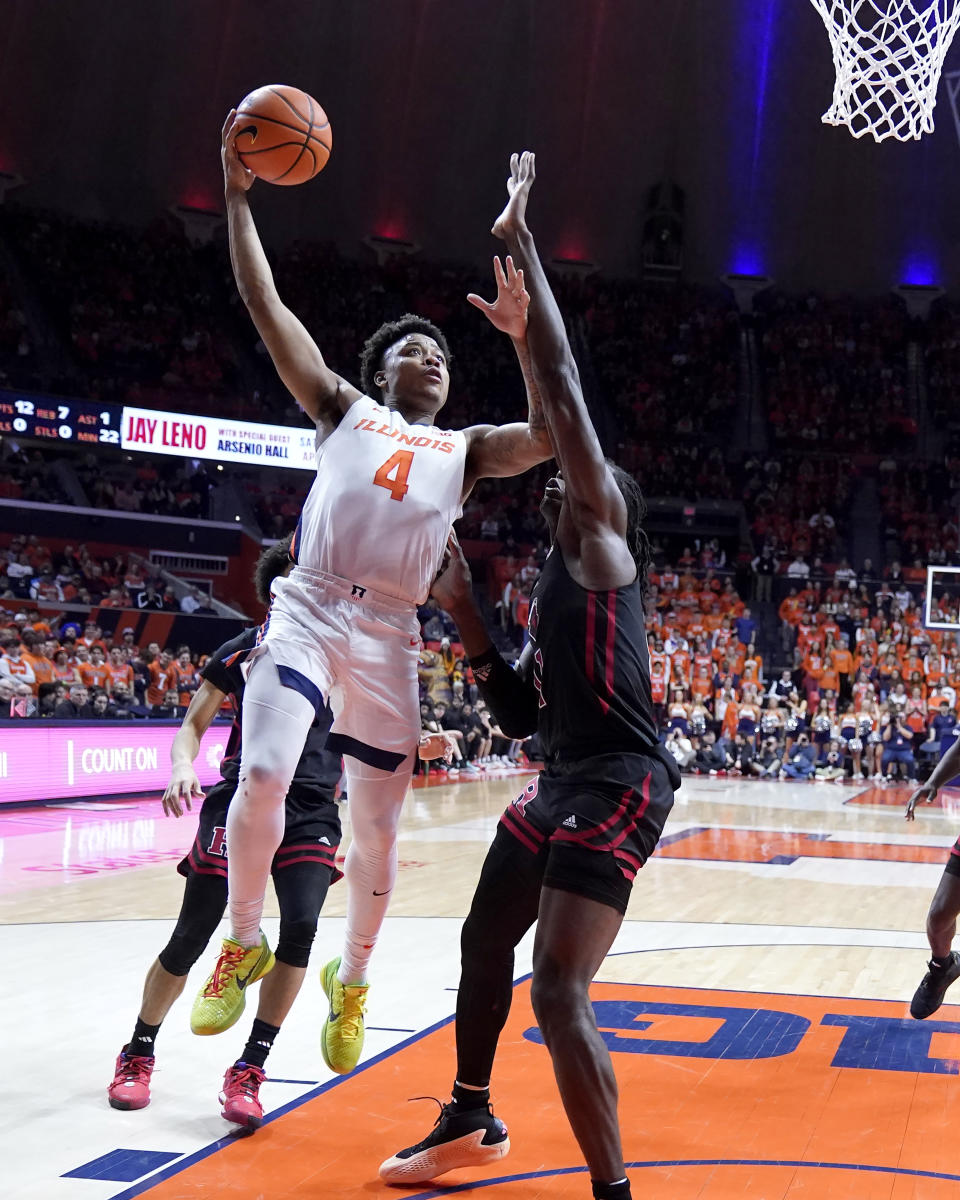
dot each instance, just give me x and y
(513, 219)
(183, 786)
(454, 582)
(508, 312)
(235, 174)
(923, 795)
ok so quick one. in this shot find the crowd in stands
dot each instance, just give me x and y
(868, 692)
(140, 310)
(29, 570)
(70, 671)
(835, 373)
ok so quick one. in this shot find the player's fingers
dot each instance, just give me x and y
(479, 302)
(228, 122)
(514, 165)
(498, 272)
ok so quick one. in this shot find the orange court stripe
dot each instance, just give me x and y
(779, 847)
(723, 1095)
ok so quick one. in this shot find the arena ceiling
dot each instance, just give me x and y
(113, 108)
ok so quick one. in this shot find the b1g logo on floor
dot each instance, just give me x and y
(869, 1043)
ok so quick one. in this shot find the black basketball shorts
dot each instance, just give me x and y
(953, 859)
(311, 834)
(595, 822)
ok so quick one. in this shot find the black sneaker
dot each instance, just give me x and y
(459, 1138)
(929, 995)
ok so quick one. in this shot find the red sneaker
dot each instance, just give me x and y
(131, 1083)
(240, 1096)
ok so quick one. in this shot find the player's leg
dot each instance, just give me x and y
(204, 900)
(370, 871)
(376, 728)
(944, 966)
(301, 889)
(504, 907)
(574, 934)
(276, 718)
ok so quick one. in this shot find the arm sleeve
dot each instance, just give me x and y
(512, 700)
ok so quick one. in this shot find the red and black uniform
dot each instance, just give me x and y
(312, 829)
(304, 865)
(596, 812)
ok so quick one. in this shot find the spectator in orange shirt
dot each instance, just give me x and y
(37, 653)
(63, 668)
(96, 672)
(843, 664)
(93, 636)
(161, 679)
(13, 665)
(120, 670)
(185, 677)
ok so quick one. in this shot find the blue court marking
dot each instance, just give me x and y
(121, 1165)
(144, 1185)
(684, 1162)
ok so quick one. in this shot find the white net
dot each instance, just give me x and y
(888, 56)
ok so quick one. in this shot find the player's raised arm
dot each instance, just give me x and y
(321, 393)
(590, 486)
(498, 450)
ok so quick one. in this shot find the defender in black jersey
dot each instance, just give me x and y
(567, 849)
(303, 868)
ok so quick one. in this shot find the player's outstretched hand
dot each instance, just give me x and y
(513, 219)
(453, 584)
(436, 745)
(235, 174)
(508, 312)
(182, 788)
(923, 795)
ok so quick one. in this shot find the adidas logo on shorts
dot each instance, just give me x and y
(570, 822)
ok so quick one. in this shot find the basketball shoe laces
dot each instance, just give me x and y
(135, 1068)
(351, 1017)
(224, 971)
(246, 1081)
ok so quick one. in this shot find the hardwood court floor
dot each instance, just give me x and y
(755, 1003)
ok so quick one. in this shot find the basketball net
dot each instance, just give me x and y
(888, 56)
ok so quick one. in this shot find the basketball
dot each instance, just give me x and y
(284, 135)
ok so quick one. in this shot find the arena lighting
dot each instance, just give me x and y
(386, 246)
(918, 297)
(745, 285)
(200, 224)
(580, 267)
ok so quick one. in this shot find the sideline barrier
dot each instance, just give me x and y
(65, 760)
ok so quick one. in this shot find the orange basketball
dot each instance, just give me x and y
(284, 135)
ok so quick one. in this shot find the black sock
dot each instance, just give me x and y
(259, 1044)
(611, 1191)
(941, 962)
(467, 1098)
(144, 1036)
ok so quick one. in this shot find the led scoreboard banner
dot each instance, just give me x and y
(148, 431)
(57, 419)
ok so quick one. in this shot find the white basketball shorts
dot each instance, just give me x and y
(337, 641)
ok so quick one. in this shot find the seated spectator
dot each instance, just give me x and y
(831, 769)
(76, 707)
(801, 761)
(766, 763)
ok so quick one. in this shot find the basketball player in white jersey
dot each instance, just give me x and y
(343, 626)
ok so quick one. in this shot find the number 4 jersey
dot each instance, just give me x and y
(380, 509)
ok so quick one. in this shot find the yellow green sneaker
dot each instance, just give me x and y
(220, 1002)
(342, 1039)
